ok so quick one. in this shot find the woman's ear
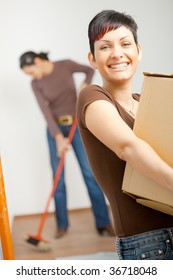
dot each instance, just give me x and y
(139, 52)
(92, 60)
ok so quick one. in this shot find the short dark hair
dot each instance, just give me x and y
(106, 21)
(27, 58)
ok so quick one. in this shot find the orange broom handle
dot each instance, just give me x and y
(56, 178)
(5, 233)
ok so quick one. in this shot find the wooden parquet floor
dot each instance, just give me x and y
(81, 239)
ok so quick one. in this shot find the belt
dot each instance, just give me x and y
(65, 120)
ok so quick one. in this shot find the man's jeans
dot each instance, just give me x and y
(151, 245)
(95, 193)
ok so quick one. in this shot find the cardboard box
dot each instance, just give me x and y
(154, 124)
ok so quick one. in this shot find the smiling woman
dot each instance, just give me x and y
(116, 57)
(106, 118)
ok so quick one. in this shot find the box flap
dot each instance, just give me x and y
(156, 205)
(158, 75)
(131, 195)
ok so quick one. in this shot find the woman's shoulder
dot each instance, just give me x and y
(90, 94)
(94, 91)
(91, 88)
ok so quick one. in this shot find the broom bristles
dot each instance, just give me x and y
(40, 244)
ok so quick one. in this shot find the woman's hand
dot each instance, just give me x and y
(62, 144)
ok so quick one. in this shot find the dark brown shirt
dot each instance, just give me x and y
(129, 217)
(56, 93)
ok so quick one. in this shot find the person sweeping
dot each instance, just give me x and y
(54, 88)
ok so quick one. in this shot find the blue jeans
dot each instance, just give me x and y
(151, 245)
(97, 198)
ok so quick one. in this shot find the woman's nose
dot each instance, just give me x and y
(116, 52)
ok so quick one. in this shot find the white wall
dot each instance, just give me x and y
(61, 28)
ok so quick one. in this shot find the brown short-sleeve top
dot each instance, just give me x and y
(129, 217)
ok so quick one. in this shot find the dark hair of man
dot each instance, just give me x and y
(108, 20)
(27, 58)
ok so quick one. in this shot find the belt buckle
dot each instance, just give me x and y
(65, 120)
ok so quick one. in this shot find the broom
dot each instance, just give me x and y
(37, 240)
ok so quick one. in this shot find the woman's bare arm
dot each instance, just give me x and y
(104, 121)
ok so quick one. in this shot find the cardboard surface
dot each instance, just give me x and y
(154, 124)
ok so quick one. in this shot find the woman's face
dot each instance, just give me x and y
(35, 71)
(116, 56)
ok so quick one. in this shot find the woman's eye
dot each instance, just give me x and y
(105, 47)
(126, 44)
